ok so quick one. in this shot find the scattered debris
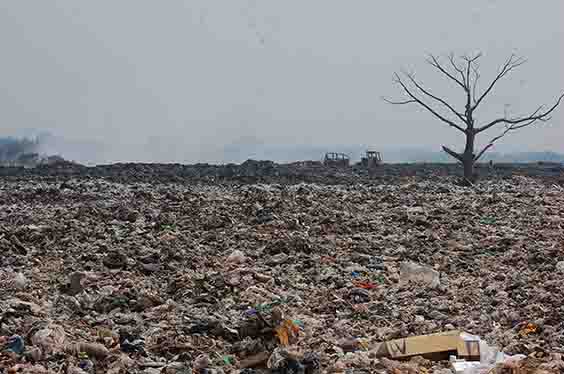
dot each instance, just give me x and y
(126, 276)
(418, 274)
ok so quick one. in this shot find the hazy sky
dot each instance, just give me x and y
(189, 77)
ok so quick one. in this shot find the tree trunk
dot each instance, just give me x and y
(469, 170)
(468, 156)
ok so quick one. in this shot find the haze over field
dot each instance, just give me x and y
(189, 81)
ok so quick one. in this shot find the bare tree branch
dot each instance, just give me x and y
(459, 70)
(511, 63)
(433, 61)
(507, 130)
(515, 127)
(398, 102)
(491, 143)
(476, 78)
(469, 63)
(517, 121)
(470, 88)
(454, 154)
(416, 84)
(468, 92)
(422, 103)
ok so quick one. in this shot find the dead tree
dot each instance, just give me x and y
(464, 72)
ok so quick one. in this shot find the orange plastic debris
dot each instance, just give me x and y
(530, 328)
(364, 284)
(288, 329)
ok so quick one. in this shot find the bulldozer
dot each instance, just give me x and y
(335, 159)
(371, 159)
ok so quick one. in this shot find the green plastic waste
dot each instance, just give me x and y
(487, 221)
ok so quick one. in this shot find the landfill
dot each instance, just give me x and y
(117, 275)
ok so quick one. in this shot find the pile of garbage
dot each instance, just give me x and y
(269, 172)
(407, 277)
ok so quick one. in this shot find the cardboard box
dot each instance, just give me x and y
(434, 346)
